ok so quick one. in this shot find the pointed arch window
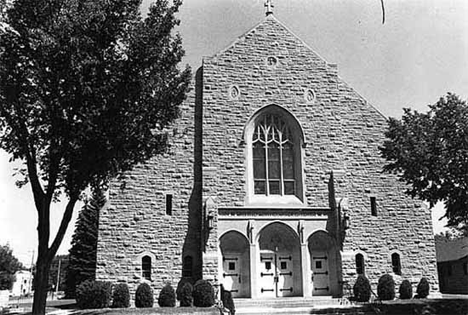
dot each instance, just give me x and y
(360, 266)
(273, 157)
(187, 266)
(146, 267)
(396, 263)
(275, 141)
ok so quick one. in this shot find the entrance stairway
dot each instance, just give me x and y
(298, 305)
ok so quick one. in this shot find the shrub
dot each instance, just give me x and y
(93, 294)
(144, 296)
(185, 295)
(406, 290)
(228, 302)
(386, 288)
(167, 296)
(362, 289)
(121, 296)
(181, 283)
(203, 294)
(423, 288)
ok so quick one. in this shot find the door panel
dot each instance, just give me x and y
(285, 275)
(276, 275)
(320, 274)
(267, 275)
(232, 276)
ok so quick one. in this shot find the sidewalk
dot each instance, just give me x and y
(24, 305)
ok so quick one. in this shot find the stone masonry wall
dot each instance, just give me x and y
(135, 222)
(342, 132)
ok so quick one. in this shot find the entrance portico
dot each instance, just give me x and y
(279, 264)
(270, 256)
(235, 264)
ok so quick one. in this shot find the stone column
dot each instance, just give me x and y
(253, 270)
(306, 274)
(210, 233)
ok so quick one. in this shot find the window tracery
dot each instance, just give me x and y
(273, 157)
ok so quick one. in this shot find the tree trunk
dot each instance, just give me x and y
(46, 254)
(41, 280)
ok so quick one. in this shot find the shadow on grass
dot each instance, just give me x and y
(62, 304)
(155, 310)
(425, 306)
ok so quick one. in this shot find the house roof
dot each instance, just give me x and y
(448, 250)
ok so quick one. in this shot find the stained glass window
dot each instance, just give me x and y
(273, 157)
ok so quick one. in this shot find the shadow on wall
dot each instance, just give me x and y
(337, 233)
(191, 251)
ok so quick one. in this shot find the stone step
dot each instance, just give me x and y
(287, 302)
(326, 310)
(298, 305)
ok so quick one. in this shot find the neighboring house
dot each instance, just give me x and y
(452, 264)
(23, 283)
(273, 186)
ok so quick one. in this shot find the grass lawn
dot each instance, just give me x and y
(424, 306)
(155, 310)
(58, 305)
(397, 307)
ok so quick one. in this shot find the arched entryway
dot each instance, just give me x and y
(235, 252)
(279, 266)
(323, 264)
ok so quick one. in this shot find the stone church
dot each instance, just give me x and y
(273, 185)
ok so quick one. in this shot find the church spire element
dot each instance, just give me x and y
(269, 7)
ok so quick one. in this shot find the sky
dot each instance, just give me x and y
(417, 56)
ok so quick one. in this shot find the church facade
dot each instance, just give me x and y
(273, 185)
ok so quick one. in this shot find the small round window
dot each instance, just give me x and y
(234, 92)
(271, 61)
(309, 96)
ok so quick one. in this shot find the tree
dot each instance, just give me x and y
(83, 252)
(9, 265)
(87, 89)
(429, 152)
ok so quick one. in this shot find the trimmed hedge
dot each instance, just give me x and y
(144, 296)
(406, 290)
(362, 289)
(422, 290)
(167, 296)
(121, 296)
(228, 302)
(185, 294)
(93, 294)
(203, 294)
(386, 288)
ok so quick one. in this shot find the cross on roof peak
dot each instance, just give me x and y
(269, 7)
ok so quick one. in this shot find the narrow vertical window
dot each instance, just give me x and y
(360, 268)
(169, 204)
(187, 266)
(449, 269)
(396, 264)
(373, 204)
(146, 267)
